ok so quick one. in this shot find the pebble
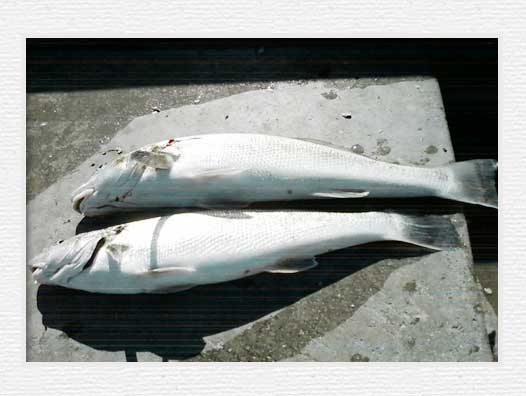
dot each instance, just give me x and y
(384, 150)
(487, 290)
(155, 109)
(197, 100)
(352, 305)
(42, 124)
(357, 148)
(347, 115)
(431, 149)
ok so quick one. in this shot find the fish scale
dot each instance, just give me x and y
(183, 250)
(234, 170)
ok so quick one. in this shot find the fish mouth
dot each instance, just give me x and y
(77, 199)
(36, 268)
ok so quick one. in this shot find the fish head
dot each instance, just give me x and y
(109, 187)
(66, 259)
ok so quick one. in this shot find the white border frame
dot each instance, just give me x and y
(120, 18)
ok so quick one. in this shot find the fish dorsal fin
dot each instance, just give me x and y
(292, 265)
(156, 160)
(324, 143)
(342, 193)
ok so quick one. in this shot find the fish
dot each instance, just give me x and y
(172, 253)
(221, 171)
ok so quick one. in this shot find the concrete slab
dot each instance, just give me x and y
(377, 302)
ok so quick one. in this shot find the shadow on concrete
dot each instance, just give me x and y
(173, 325)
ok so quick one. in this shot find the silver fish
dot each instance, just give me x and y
(234, 170)
(177, 252)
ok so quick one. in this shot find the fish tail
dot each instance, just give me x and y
(433, 232)
(473, 182)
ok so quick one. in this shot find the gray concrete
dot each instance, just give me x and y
(422, 307)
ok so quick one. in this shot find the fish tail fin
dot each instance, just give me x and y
(473, 182)
(432, 232)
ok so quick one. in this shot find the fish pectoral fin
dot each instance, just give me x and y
(115, 250)
(343, 193)
(157, 160)
(172, 289)
(292, 265)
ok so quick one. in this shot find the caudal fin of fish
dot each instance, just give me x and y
(433, 232)
(473, 182)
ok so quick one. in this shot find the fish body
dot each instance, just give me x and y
(234, 170)
(173, 253)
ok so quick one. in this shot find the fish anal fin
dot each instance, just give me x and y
(342, 193)
(292, 265)
(168, 271)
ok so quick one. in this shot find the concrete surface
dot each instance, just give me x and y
(376, 302)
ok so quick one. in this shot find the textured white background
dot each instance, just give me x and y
(203, 18)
